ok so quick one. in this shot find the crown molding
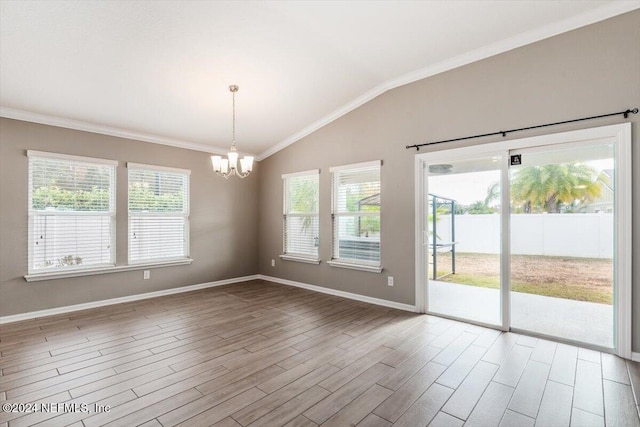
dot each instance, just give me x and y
(12, 113)
(608, 11)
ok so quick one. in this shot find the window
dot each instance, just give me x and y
(301, 223)
(71, 212)
(355, 204)
(158, 213)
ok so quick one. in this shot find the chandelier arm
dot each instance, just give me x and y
(242, 173)
(229, 173)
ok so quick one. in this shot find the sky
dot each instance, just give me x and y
(467, 188)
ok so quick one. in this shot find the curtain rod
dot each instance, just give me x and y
(505, 132)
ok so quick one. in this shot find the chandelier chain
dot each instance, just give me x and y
(233, 137)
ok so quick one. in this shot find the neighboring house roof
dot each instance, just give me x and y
(373, 200)
(606, 178)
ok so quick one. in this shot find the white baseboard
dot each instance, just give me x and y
(77, 307)
(112, 301)
(343, 294)
(85, 306)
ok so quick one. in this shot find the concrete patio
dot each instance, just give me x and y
(586, 322)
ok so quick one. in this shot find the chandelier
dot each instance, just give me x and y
(229, 166)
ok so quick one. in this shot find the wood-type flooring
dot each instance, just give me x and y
(263, 354)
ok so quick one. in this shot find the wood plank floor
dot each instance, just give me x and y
(263, 354)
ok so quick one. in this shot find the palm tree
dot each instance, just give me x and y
(549, 188)
(493, 193)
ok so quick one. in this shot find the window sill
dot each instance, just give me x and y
(36, 277)
(300, 259)
(361, 267)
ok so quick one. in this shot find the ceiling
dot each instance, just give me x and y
(160, 71)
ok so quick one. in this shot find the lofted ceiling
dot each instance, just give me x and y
(160, 71)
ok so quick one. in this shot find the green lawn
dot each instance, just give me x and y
(571, 278)
(558, 290)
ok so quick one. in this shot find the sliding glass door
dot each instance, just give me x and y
(562, 241)
(464, 217)
(532, 235)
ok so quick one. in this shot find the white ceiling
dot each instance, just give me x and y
(160, 71)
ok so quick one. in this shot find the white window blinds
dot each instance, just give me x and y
(355, 204)
(71, 212)
(158, 213)
(301, 225)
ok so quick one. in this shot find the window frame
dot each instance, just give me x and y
(295, 256)
(362, 265)
(186, 215)
(39, 274)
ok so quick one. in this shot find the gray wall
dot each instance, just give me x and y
(589, 71)
(223, 219)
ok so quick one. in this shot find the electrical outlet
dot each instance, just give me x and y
(273, 263)
(390, 280)
(146, 275)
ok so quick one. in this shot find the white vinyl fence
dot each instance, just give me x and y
(580, 235)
